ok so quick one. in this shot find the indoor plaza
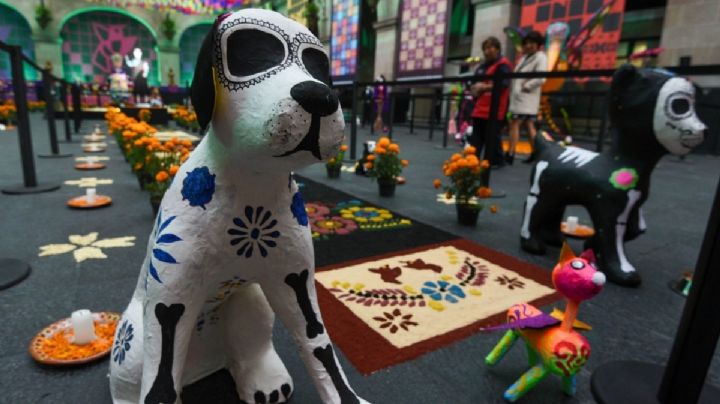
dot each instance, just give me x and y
(359, 201)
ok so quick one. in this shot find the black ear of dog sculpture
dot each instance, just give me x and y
(652, 112)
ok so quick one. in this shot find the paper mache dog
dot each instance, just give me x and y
(231, 246)
(653, 113)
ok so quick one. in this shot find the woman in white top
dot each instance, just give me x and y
(525, 93)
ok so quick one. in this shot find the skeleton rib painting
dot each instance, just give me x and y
(231, 246)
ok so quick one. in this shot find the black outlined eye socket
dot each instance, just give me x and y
(252, 51)
(248, 51)
(679, 105)
(316, 63)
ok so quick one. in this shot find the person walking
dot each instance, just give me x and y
(494, 62)
(525, 93)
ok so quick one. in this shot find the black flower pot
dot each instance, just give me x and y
(155, 203)
(143, 179)
(467, 214)
(386, 186)
(333, 171)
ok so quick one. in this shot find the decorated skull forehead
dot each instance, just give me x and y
(272, 104)
(676, 124)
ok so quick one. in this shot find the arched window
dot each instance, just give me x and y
(90, 38)
(15, 30)
(190, 42)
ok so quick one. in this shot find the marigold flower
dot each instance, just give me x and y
(484, 192)
(162, 176)
(383, 142)
(343, 147)
(404, 163)
(437, 184)
(368, 166)
(174, 169)
(470, 150)
(455, 157)
(138, 166)
(485, 164)
(380, 150)
(493, 209)
(138, 143)
(394, 148)
(371, 157)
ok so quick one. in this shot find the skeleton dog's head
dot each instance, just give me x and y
(262, 82)
(658, 102)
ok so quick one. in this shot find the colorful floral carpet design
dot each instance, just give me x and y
(343, 218)
(390, 308)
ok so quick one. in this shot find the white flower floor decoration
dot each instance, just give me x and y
(89, 182)
(87, 246)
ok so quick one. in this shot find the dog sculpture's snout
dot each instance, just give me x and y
(315, 98)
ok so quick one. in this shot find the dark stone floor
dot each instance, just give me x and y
(635, 324)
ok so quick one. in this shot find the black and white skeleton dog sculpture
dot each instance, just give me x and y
(231, 244)
(653, 113)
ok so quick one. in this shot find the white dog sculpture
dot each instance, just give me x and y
(231, 244)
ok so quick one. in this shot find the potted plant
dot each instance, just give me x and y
(385, 165)
(168, 27)
(161, 166)
(43, 15)
(466, 186)
(334, 165)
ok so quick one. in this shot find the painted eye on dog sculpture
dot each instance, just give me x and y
(231, 246)
(652, 112)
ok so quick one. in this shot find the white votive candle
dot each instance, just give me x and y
(90, 194)
(97, 129)
(91, 159)
(83, 327)
(571, 223)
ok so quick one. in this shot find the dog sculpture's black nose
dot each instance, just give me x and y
(315, 98)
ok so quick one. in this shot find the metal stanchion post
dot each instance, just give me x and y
(491, 130)
(353, 123)
(66, 113)
(50, 112)
(432, 115)
(30, 184)
(77, 107)
(412, 113)
(447, 123)
(603, 124)
(392, 115)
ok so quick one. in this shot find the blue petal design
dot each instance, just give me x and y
(236, 232)
(271, 225)
(274, 234)
(198, 187)
(163, 256)
(269, 243)
(248, 253)
(263, 251)
(443, 284)
(450, 298)
(153, 272)
(265, 218)
(428, 291)
(166, 224)
(436, 296)
(298, 209)
(430, 284)
(241, 250)
(167, 239)
(249, 214)
(457, 291)
(239, 222)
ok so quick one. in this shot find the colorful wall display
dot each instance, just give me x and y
(189, 7)
(190, 42)
(600, 51)
(90, 39)
(14, 30)
(423, 38)
(345, 35)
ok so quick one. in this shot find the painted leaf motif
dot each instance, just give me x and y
(166, 223)
(86, 253)
(83, 240)
(168, 238)
(153, 272)
(163, 256)
(55, 249)
(115, 242)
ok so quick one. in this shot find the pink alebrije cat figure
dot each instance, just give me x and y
(553, 346)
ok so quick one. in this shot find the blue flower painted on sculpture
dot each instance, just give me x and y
(198, 187)
(256, 232)
(443, 290)
(298, 209)
(158, 253)
(122, 342)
